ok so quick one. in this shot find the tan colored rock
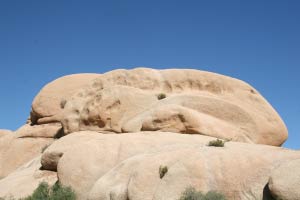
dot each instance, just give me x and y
(284, 182)
(162, 118)
(126, 166)
(196, 102)
(45, 130)
(4, 132)
(23, 181)
(226, 170)
(53, 96)
(108, 111)
(196, 115)
(98, 153)
(15, 151)
(50, 160)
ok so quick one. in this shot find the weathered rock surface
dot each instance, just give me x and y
(98, 153)
(284, 182)
(107, 135)
(126, 101)
(53, 96)
(52, 130)
(23, 181)
(16, 151)
(126, 166)
(4, 132)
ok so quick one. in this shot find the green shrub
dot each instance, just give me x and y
(191, 194)
(216, 143)
(161, 96)
(213, 195)
(162, 171)
(62, 193)
(56, 192)
(40, 193)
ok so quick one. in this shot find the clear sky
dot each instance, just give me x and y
(257, 41)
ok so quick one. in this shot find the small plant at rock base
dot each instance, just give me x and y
(213, 195)
(161, 96)
(162, 171)
(216, 143)
(192, 194)
(56, 192)
(41, 192)
(60, 192)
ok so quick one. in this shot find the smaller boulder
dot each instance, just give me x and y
(16, 151)
(284, 182)
(23, 181)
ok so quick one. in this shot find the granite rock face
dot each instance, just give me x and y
(24, 180)
(4, 132)
(284, 182)
(108, 135)
(126, 166)
(125, 101)
(16, 151)
(51, 98)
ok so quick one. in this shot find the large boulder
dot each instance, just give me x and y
(90, 155)
(144, 134)
(284, 182)
(197, 102)
(126, 166)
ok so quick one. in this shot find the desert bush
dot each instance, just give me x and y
(40, 193)
(192, 194)
(213, 195)
(56, 192)
(216, 143)
(62, 193)
(162, 171)
(161, 96)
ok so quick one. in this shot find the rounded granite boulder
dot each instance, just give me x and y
(177, 100)
(284, 182)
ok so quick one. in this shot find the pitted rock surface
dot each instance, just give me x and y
(197, 102)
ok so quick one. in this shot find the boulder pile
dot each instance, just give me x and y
(108, 136)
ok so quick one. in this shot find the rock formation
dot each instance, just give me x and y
(284, 181)
(107, 135)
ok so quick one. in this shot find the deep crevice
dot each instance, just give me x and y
(59, 134)
(267, 193)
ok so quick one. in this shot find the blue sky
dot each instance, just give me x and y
(256, 41)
